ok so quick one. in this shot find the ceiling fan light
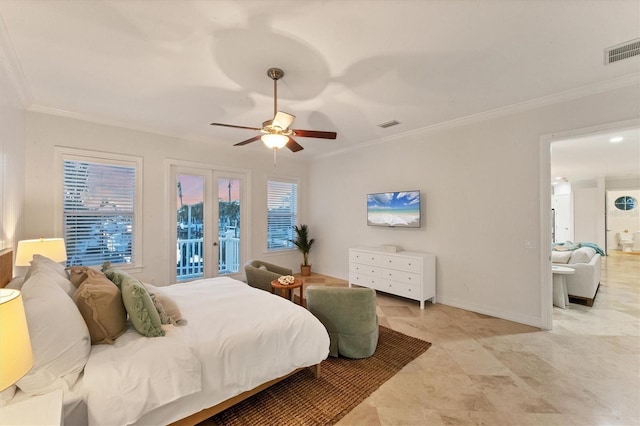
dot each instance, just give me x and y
(275, 141)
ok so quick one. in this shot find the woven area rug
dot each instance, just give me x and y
(344, 383)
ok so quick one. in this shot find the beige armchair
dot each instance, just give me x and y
(260, 274)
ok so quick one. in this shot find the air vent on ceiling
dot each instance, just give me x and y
(388, 124)
(622, 51)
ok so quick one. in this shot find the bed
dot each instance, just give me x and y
(237, 341)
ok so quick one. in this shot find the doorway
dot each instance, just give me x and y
(207, 217)
(610, 168)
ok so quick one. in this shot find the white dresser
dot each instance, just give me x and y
(407, 274)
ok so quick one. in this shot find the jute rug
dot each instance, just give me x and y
(344, 383)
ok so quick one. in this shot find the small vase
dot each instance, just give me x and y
(305, 270)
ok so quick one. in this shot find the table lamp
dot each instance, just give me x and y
(16, 358)
(53, 248)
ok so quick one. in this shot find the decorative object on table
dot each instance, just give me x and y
(304, 244)
(286, 279)
(53, 248)
(15, 345)
(260, 274)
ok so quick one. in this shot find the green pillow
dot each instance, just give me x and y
(137, 301)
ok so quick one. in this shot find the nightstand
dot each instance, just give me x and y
(37, 410)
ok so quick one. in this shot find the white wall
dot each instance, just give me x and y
(481, 182)
(44, 132)
(12, 162)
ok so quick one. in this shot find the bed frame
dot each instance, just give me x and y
(6, 271)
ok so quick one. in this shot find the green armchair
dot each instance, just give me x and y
(260, 274)
(349, 315)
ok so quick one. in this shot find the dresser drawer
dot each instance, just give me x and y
(365, 280)
(401, 276)
(361, 268)
(364, 257)
(401, 263)
(398, 288)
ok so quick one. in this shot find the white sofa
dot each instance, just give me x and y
(583, 284)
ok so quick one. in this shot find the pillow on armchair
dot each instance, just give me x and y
(260, 274)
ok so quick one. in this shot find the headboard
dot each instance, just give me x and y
(6, 266)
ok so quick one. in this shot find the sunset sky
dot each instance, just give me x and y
(193, 188)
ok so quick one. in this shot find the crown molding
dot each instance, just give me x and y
(567, 95)
(13, 67)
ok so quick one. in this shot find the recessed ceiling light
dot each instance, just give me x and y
(559, 178)
(616, 139)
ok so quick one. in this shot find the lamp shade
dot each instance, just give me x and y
(53, 248)
(16, 357)
(274, 140)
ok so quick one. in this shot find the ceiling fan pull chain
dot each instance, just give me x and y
(274, 156)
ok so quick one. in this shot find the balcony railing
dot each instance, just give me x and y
(190, 263)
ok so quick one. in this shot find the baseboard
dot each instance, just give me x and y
(488, 310)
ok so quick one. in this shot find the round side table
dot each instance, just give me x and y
(284, 289)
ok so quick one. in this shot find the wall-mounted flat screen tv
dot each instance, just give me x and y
(395, 209)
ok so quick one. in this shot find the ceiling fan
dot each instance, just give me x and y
(276, 132)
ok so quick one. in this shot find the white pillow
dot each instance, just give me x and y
(560, 256)
(54, 270)
(59, 336)
(16, 283)
(582, 255)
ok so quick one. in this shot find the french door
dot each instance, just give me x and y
(207, 213)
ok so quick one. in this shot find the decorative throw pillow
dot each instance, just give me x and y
(59, 336)
(137, 301)
(77, 274)
(167, 309)
(560, 256)
(582, 255)
(100, 303)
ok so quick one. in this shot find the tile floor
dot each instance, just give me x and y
(487, 371)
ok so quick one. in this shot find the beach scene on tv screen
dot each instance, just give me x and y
(394, 209)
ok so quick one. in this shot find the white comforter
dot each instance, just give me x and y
(237, 338)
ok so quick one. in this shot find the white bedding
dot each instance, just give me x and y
(237, 338)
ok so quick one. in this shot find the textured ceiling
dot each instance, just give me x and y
(173, 67)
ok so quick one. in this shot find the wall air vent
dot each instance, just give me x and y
(388, 124)
(622, 51)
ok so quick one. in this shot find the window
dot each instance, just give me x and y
(625, 203)
(282, 213)
(99, 210)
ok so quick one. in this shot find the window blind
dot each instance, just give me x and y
(282, 214)
(99, 207)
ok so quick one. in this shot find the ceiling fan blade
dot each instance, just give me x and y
(253, 139)
(314, 134)
(283, 120)
(234, 126)
(293, 145)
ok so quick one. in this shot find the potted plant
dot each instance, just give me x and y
(303, 243)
